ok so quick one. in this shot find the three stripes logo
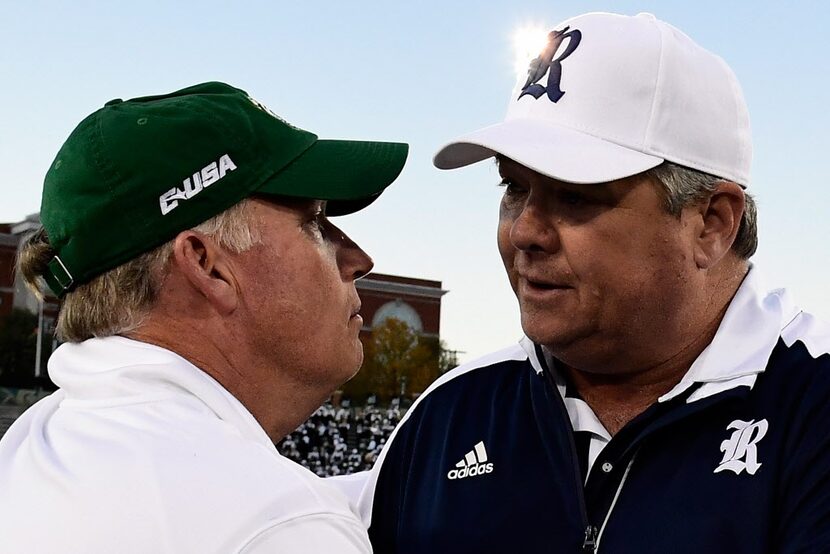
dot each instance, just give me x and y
(474, 463)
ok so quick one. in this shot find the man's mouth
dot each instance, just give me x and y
(534, 286)
(541, 283)
(543, 286)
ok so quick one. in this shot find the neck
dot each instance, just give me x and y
(617, 398)
(278, 407)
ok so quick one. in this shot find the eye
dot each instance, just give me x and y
(316, 224)
(572, 198)
(510, 187)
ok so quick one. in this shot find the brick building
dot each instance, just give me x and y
(8, 252)
(417, 302)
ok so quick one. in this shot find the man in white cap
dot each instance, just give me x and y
(661, 400)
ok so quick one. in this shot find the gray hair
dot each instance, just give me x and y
(118, 300)
(683, 187)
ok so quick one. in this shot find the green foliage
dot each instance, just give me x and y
(447, 359)
(397, 360)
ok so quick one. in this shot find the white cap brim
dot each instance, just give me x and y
(552, 150)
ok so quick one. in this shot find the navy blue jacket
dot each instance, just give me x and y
(736, 459)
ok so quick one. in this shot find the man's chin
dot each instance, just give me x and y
(550, 335)
(357, 364)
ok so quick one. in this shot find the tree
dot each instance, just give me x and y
(396, 359)
(18, 342)
(447, 359)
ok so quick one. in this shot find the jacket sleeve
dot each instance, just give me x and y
(385, 498)
(381, 498)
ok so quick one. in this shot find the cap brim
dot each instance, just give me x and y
(558, 152)
(348, 174)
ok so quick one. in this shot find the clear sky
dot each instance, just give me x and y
(421, 72)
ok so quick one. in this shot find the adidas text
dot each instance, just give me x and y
(471, 471)
(474, 463)
(196, 183)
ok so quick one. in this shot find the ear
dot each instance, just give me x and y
(718, 223)
(207, 268)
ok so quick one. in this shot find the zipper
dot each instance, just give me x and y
(589, 544)
(613, 503)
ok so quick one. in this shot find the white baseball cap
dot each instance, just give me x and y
(611, 96)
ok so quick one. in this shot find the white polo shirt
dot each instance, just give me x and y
(140, 451)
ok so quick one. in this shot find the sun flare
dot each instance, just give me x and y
(528, 42)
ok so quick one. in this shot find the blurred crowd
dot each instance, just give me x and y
(341, 440)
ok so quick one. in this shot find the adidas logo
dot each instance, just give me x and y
(474, 463)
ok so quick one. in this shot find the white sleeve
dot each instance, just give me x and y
(351, 485)
(312, 535)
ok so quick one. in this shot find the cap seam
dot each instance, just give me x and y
(657, 88)
(736, 93)
(275, 172)
(108, 174)
(100, 159)
(208, 114)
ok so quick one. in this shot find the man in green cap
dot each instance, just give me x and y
(208, 308)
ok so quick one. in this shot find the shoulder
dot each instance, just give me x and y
(803, 350)
(476, 371)
(796, 381)
(811, 331)
(245, 488)
(212, 460)
(464, 395)
(179, 466)
(472, 382)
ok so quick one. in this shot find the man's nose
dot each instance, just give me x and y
(362, 264)
(534, 230)
(353, 262)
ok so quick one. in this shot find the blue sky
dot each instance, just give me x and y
(421, 72)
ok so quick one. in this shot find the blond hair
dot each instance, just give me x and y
(118, 300)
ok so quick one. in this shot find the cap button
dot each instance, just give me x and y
(113, 102)
(647, 15)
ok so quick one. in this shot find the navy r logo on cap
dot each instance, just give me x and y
(546, 63)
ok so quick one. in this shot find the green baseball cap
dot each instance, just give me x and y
(135, 173)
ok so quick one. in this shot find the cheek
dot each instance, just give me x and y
(608, 264)
(643, 272)
(293, 284)
(506, 248)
